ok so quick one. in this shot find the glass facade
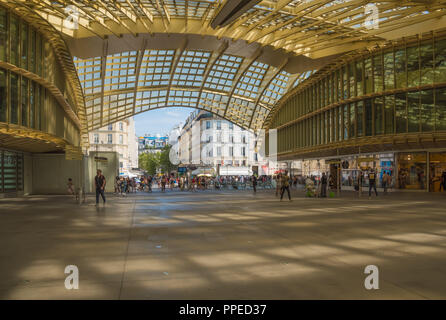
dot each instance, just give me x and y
(391, 91)
(23, 101)
(11, 171)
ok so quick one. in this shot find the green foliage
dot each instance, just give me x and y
(149, 162)
(165, 164)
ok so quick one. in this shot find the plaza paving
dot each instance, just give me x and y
(224, 245)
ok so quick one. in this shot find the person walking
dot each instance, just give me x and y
(278, 184)
(372, 183)
(385, 182)
(285, 182)
(324, 182)
(254, 183)
(443, 181)
(99, 181)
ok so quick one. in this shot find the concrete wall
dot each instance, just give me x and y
(27, 174)
(110, 169)
(49, 173)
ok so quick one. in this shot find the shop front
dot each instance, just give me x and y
(11, 172)
(352, 167)
(437, 171)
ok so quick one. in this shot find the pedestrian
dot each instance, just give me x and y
(99, 182)
(385, 182)
(372, 183)
(285, 183)
(324, 182)
(254, 183)
(70, 187)
(278, 184)
(443, 181)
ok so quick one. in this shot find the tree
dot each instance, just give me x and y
(149, 162)
(166, 165)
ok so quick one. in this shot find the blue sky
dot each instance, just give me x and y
(160, 120)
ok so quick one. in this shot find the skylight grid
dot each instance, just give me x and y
(156, 67)
(240, 111)
(275, 89)
(223, 73)
(120, 71)
(150, 99)
(213, 102)
(190, 69)
(183, 98)
(249, 84)
(89, 72)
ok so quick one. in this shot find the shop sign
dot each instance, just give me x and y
(103, 160)
(370, 159)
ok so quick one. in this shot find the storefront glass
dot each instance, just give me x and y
(412, 170)
(11, 171)
(437, 170)
(352, 166)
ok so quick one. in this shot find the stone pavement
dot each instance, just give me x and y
(224, 245)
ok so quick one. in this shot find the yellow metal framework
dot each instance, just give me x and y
(243, 88)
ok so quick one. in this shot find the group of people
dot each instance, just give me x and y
(283, 183)
(125, 185)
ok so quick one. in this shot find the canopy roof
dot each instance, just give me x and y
(137, 55)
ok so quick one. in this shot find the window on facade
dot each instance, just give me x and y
(109, 138)
(219, 151)
(400, 112)
(389, 80)
(389, 113)
(231, 126)
(96, 138)
(110, 127)
(427, 110)
(378, 108)
(218, 124)
(208, 124)
(3, 34)
(32, 51)
(400, 68)
(413, 70)
(32, 104)
(3, 93)
(121, 126)
(24, 47)
(24, 102)
(440, 60)
(244, 151)
(14, 112)
(14, 42)
(427, 63)
(231, 151)
(440, 103)
(378, 72)
(121, 165)
(359, 79)
(121, 139)
(413, 110)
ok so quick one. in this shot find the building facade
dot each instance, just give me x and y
(118, 137)
(383, 108)
(207, 140)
